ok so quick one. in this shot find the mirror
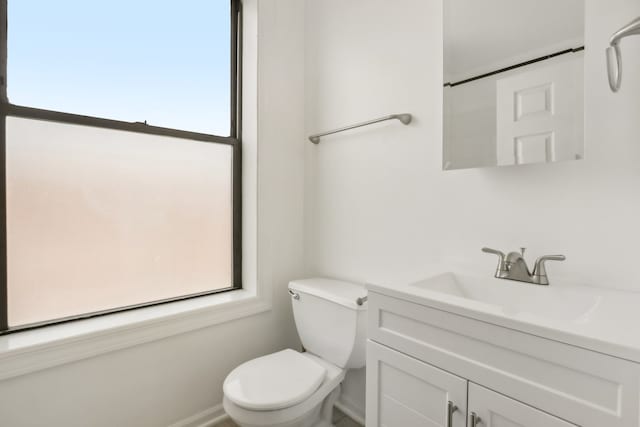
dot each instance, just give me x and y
(513, 82)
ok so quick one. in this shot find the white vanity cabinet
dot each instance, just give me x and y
(420, 358)
(403, 391)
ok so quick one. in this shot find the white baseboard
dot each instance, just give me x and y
(352, 411)
(210, 417)
(207, 418)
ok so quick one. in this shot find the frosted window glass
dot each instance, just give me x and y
(166, 62)
(99, 219)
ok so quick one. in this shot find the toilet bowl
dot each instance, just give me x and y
(294, 389)
(282, 394)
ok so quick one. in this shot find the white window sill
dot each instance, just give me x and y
(37, 349)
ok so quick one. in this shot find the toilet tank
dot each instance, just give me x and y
(330, 321)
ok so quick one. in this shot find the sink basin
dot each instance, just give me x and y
(517, 299)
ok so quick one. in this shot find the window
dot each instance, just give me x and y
(121, 156)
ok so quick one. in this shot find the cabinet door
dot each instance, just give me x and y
(405, 392)
(495, 410)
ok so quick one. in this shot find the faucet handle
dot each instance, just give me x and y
(493, 251)
(540, 271)
(501, 259)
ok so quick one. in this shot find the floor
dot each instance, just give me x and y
(339, 419)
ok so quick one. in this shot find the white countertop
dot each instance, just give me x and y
(598, 319)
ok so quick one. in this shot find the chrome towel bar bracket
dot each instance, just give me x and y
(404, 118)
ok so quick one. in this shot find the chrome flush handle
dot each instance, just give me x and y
(294, 295)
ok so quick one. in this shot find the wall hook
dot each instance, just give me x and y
(614, 54)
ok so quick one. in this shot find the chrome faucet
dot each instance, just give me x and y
(514, 267)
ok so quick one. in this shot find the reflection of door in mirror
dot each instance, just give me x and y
(538, 107)
(514, 82)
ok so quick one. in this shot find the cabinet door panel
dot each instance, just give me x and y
(402, 391)
(496, 410)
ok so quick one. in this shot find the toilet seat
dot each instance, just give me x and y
(276, 381)
(288, 416)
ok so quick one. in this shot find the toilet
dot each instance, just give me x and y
(293, 389)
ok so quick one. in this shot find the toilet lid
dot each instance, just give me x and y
(275, 381)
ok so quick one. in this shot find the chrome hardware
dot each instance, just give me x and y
(474, 420)
(451, 408)
(614, 55)
(501, 267)
(294, 295)
(362, 300)
(540, 271)
(514, 267)
(404, 118)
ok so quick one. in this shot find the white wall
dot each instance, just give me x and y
(378, 205)
(162, 382)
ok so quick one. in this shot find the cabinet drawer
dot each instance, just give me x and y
(578, 385)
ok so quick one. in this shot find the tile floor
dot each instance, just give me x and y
(339, 419)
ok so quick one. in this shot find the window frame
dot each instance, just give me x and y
(234, 140)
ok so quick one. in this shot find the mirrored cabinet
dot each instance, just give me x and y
(513, 82)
